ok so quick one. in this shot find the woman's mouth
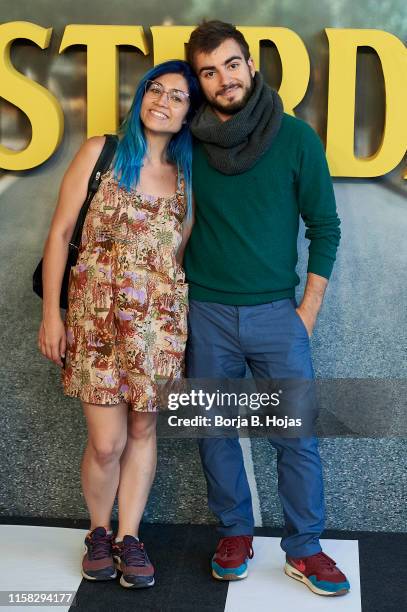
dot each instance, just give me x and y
(158, 114)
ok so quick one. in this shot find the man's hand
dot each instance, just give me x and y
(307, 318)
(312, 300)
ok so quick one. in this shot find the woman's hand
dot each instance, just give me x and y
(52, 339)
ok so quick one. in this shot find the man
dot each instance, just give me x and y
(256, 169)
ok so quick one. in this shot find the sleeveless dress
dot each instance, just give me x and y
(126, 322)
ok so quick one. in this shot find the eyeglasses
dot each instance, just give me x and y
(176, 97)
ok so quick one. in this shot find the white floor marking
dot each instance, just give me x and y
(268, 589)
(40, 559)
(6, 181)
(248, 463)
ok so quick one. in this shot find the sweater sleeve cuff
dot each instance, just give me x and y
(320, 264)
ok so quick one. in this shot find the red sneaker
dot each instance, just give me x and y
(230, 559)
(319, 573)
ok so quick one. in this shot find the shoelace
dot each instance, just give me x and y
(134, 554)
(100, 546)
(321, 561)
(230, 545)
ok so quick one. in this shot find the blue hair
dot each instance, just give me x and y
(132, 148)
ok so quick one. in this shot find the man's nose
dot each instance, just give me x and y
(224, 78)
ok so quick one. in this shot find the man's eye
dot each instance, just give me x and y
(209, 75)
(234, 66)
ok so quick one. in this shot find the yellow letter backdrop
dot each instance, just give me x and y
(103, 69)
(294, 61)
(343, 45)
(169, 42)
(102, 41)
(40, 106)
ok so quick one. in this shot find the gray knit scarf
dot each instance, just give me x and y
(235, 145)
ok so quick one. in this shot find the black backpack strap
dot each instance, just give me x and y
(103, 163)
(101, 166)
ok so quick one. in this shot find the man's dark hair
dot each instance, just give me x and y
(210, 34)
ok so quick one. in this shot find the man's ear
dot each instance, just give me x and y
(251, 65)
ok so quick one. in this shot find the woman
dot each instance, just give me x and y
(125, 327)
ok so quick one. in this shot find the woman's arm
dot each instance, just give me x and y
(72, 194)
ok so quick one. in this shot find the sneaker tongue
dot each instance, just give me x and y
(99, 531)
(128, 539)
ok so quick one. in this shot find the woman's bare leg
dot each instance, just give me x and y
(100, 473)
(138, 465)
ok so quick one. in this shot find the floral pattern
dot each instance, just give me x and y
(126, 319)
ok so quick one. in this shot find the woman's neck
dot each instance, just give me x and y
(157, 148)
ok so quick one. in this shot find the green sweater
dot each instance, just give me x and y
(243, 246)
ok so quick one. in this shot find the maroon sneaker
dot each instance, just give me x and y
(319, 573)
(230, 559)
(137, 569)
(97, 562)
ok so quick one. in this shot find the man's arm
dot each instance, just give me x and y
(312, 300)
(318, 210)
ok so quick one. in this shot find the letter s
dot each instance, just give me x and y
(40, 106)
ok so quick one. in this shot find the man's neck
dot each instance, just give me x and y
(221, 116)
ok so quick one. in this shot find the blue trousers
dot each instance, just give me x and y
(272, 341)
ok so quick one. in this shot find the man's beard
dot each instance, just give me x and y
(233, 107)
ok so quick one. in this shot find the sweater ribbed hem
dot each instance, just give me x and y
(203, 294)
(320, 264)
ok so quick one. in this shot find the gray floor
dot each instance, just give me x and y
(361, 333)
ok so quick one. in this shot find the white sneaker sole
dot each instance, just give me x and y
(297, 575)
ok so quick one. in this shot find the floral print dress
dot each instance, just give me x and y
(126, 322)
